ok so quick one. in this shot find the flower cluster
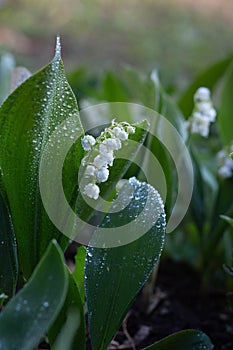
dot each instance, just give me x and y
(203, 113)
(109, 141)
(225, 163)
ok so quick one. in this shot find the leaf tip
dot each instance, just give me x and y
(54, 243)
(58, 46)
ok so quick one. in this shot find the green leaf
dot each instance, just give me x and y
(114, 276)
(68, 331)
(223, 203)
(127, 85)
(84, 83)
(208, 78)
(27, 119)
(114, 89)
(137, 87)
(162, 155)
(167, 107)
(8, 253)
(79, 270)
(197, 204)
(164, 105)
(28, 316)
(225, 114)
(190, 339)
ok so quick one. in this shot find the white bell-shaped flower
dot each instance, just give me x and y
(88, 142)
(202, 94)
(92, 191)
(102, 174)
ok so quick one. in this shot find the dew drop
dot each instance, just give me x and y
(46, 304)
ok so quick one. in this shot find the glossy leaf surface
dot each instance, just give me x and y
(68, 331)
(28, 315)
(27, 119)
(114, 276)
(79, 270)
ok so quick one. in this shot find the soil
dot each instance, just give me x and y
(178, 305)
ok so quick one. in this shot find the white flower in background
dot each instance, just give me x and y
(203, 113)
(206, 109)
(225, 163)
(110, 140)
(92, 190)
(202, 94)
(200, 124)
(225, 172)
(88, 142)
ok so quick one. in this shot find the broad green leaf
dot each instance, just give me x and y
(208, 78)
(8, 253)
(28, 315)
(165, 106)
(68, 331)
(114, 276)
(27, 119)
(79, 270)
(225, 114)
(190, 339)
(7, 64)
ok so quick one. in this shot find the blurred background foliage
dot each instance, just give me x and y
(178, 37)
